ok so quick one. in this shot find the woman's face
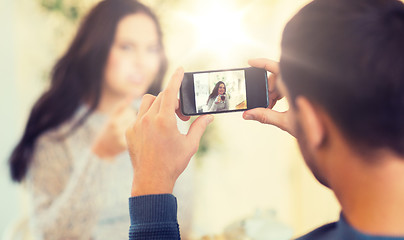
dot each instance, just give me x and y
(134, 58)
(221, 89)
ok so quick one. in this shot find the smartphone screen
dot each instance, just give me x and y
(221, 91)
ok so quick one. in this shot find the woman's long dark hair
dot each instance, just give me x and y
(77, 77)
(215, 91)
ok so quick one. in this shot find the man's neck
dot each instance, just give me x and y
(371, 192)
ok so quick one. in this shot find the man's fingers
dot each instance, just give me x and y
(182, 117)
(197, 128)
(179, 113)
(155, 107)
(147, 101)
(267, 64)
(268, 116)
(271, 83)
(274, 97)
(170, 100)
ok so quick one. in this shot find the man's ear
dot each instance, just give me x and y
(311, 122)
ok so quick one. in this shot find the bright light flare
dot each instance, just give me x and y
(219, 28)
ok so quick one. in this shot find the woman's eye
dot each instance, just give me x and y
(126, 47)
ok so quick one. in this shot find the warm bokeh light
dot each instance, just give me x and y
(221, 30)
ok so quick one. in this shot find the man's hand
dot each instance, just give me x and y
(159, 152)
(267, 115)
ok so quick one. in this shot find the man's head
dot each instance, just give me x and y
(347, 58)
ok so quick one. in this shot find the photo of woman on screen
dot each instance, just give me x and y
(218, 100)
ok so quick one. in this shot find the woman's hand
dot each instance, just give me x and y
(267, 115)
(218, 99)
(159, 152)
(111, 140)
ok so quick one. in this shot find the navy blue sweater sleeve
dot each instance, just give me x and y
(153, 217)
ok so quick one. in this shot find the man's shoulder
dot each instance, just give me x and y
(327, 231)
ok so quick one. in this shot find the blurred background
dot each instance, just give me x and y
(244, 171)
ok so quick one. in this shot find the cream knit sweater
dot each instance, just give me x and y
(75, 194)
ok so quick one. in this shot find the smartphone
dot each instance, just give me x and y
(220, 91)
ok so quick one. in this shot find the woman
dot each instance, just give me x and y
(218, 100)
(72, 155)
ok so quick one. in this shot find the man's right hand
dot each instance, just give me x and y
(267, 115)
(159, 152)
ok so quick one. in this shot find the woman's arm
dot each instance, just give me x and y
(212, 106)
(62, 183)
(210, 102)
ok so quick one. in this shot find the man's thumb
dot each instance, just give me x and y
(198, 127)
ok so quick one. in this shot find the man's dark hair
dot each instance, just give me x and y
(348, 57)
